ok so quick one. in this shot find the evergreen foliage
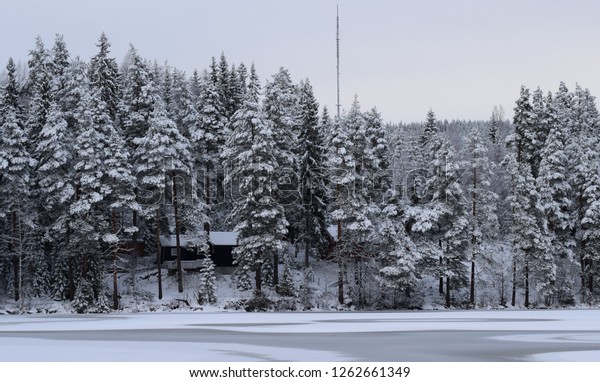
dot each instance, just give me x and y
(94, 156)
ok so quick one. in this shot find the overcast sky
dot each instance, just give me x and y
(457, 57)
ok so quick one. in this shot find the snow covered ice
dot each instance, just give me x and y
(567, 335)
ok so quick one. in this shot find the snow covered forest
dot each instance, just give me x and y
(99, 160)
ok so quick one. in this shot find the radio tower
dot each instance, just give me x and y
(339, 223)
(337, 45)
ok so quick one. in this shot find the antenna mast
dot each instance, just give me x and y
(339, 222)
(337, 40)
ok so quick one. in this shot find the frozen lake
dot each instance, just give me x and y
(570, 335)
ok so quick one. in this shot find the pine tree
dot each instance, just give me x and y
(70, 104)
(39, 87)
(555, 194)
(184, 112)
(139, 96)
(530, 129)
(430, 129)
(448, 205)
(16, 165)
(494, 126)
(104, 75)
(399, 256)
(59, 65)
(257, 214)
(119, 184)
(239, 78)
(208, 279)
(582, 152)
(361, 211)
(207, 137)
(483, 221)
(163, 152)
(375, 132)
(530, 239)
(56, 192)
(286, 287)
(87, 220)
(312, 172)
(281, 109)
(225, 86)
(341, 168)
(540, 130)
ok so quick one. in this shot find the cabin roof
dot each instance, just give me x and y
(215, 237)
(332, 230)
(224, 238)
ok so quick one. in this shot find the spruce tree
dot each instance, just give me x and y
(207, 137)
(56, 193)
(312, 173)
(139, 95)
(258, 216)
(430, 129)
(280, 106)
(206, 292)
(59, 64)
(448, 207)
(103, 75)
(87, 221)
(482, 215)
(16, 165)
(163, 152)
(39, 87)
(340, 165)
(529, 233)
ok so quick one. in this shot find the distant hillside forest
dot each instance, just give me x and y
(99, 160)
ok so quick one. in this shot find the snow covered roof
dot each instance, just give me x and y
(216, 238)
(171, 240)
(332, 229)
(223, 238)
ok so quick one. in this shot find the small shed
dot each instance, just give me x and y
(221, 245)
(190, 258)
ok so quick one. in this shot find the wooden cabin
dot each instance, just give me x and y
(221, 245)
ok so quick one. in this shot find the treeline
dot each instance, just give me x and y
(97, 158)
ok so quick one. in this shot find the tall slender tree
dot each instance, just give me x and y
(258, 216)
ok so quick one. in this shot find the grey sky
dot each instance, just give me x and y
(458, 57)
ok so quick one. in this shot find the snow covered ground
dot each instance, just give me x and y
(566, 335)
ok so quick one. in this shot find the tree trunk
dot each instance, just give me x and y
(472, 286)
(16, 256)
(473, 237)
(513, 299)
(158, 256)
(71, 275)
(276, 268)
(134, 252)
(527, 284)
(177, 238)
(115, 258)
(502, 299)
(340, 265)
(307, 242)
(207, 196)
(441, 282)
(17, 277)
(258, 280)
(583, 281)
(448, 285)
(115, 283)
(590, 280)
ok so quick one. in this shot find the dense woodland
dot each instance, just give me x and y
(96, 157)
